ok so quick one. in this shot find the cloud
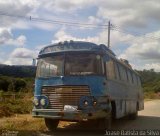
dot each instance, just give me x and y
(144, 53)
(61, 36)
(155, 66)
(125, 14)
(16, 8)
(6, 38)
(65, 5)
(100, 38)
(139, 51)
(144, 48)
(133, 13)
(18, 61)
(23, 53)
(21, 56)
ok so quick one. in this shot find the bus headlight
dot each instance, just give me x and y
(43, 102)
(85, 103)
(36, 102)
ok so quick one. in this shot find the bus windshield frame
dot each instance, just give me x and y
(70, 64)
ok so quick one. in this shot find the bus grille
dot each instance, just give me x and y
(64, 95)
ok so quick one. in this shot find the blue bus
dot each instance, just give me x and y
(80, 81)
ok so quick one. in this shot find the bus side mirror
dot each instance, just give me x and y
(33, 87)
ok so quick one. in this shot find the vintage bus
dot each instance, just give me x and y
(79, 81)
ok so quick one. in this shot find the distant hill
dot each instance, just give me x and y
(17, 70)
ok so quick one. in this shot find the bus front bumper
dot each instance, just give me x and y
(77, 115)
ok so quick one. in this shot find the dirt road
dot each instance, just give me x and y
(148, 119)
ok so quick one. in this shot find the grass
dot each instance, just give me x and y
(151, 96)
(23, 124)
(12, 106)
(14, 116)
(26, 125)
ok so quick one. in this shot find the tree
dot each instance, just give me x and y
(19, 85)
(4, 83)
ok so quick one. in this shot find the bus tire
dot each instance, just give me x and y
(108, 122)
(51, 124)
(113, 104)
(133, 116)
(105, 123)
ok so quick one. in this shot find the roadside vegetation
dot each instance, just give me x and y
(16, 92)
(150, 83)
(16, 95)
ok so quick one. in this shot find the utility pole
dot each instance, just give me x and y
(109, 27)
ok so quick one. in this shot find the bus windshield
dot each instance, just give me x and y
(83, 64)
(71, 64)
(50, 66)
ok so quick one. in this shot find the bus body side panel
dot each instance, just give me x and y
(141, 99)
(125, 97)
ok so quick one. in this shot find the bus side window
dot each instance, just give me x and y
(38, 73)
(126, 75)
(139, 81)
(134, 79)
(123, 73)
(43, 71)
(129, 76)
(117, 71)
(110, 69)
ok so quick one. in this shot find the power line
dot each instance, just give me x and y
(135, 38)
(58, 22)
(138, 35)
(83, 25)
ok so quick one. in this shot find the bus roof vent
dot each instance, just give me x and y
(65, 42)
(104, 47)
(126, 62)
(60, 43)
(71, 41)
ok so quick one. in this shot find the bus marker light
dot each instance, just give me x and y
(94, 103)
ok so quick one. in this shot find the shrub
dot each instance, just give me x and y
(17, 106)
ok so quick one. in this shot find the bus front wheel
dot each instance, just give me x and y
(105, 123)
(133, 116)
(51, 124)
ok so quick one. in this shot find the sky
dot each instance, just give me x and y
(135, 31)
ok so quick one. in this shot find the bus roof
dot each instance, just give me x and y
(81, 46)
(75, 46)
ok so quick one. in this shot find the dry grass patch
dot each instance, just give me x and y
(22, 123)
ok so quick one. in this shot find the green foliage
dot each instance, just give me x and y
(19, 84)
(150, 80)
(17, 71)
(4, 84)
(16, 84)
(16, 106)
